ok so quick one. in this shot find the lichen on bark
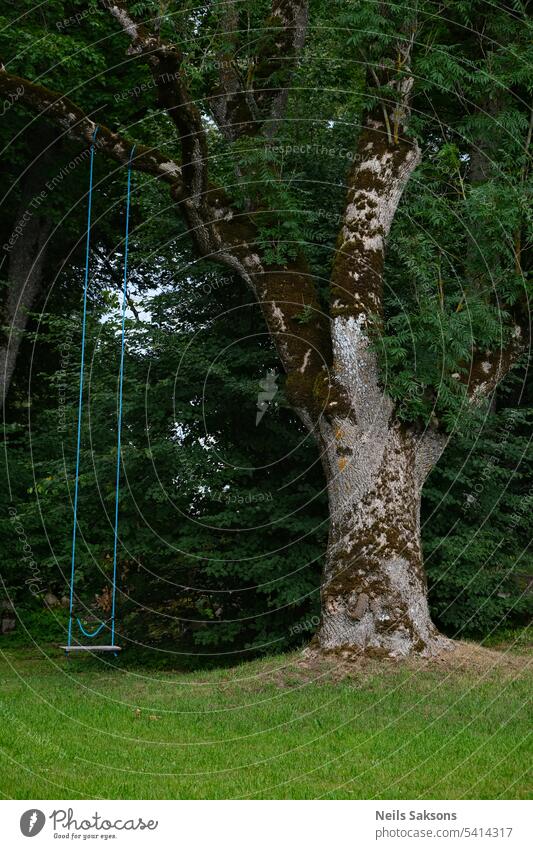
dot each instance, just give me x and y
(374, 592)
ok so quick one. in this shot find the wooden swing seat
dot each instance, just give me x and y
(68, 649)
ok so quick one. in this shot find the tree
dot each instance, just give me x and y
(380, 410)
(223, 523)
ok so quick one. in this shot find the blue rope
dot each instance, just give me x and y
(120, 385)
(93, 633)
(80, 400)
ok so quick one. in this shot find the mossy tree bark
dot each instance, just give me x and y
(374, 593)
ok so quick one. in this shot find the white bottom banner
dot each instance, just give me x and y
(266, 824)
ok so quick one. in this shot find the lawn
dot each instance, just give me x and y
(285, 727)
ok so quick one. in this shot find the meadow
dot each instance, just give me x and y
(291, 726)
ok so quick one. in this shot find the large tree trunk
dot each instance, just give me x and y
(374, 593)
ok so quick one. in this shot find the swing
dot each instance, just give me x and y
(111, 647)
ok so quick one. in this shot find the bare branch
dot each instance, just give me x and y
(291, 16)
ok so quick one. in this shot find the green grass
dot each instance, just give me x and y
(266, 729)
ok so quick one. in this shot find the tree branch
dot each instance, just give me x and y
(77, 125)
(255, 105)
(384, 161)
(490, 367)
(205, 224)
(28, 257)
(165, 61)
(220, 233)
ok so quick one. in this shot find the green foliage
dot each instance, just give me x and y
(220, 548)
(38, 626)
(476, 527)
